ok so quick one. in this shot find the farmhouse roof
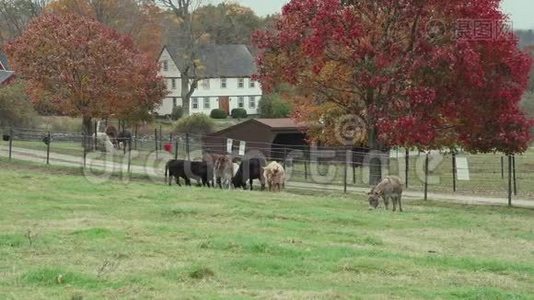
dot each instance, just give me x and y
(219, 60)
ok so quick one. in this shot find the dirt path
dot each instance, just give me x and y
(73, 161)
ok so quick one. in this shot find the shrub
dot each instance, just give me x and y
(197, 124)
(239, 113)
(273, 106)
(218, 114)
(15, 107)
(61, 124)
(177, 113)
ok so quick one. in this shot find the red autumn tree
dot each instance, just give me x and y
(82, 68)
(428, 74)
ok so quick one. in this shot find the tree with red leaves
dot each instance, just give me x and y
(428, 74)
(82, 68)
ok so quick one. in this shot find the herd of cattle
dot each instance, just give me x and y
(223, 171)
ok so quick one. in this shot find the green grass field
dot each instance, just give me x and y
(64, 238)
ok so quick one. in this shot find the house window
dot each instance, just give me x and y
(251, 84)
(205, 84)
(252, 102)
(241, 83)
(206, 102)
(173, 83)
(165, 65)
(223, 83)
(174, 102)
(241, 102)
(195, 103)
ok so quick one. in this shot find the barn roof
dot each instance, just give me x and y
(4, 62)
(219, 60)
(284, 125)
(5, 75)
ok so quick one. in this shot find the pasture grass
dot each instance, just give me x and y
(64, 238)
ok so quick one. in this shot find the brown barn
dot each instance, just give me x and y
(273, 137)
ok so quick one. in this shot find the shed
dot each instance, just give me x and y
(273, 137)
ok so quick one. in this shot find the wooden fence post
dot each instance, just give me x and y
(135, 137)
(156, 141)
(454, 171)
(407, 168)
(509, 180)
(84, 150)
(426, 177)
(96, 140)
(48, 141)
(176, 148)
(514, 175)
(187, 147)
(10, 142)
(502, 167)
(345, 171)
(160, 137)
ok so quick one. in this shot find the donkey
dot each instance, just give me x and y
(389, 188)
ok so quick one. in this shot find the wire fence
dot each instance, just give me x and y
(310, 167)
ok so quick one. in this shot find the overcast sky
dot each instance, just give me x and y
(521, 11)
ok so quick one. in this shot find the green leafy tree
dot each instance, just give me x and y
(273, 106)
(195, 124)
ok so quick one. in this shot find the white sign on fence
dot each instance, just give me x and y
(462, 168)
(229, 145)
(242, 145)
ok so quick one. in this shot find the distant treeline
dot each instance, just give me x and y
(526, 37)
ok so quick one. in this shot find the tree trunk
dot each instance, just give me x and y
(87, 132)
(186, 103)
(375, 163)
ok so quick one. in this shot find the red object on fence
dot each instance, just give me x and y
(168, 147)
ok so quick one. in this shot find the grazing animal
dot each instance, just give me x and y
(249, 169)
(224, 171)
(124, 139)
(103, 142)
(175, 168)
(389, 188)
(187, 170)
(275, 176)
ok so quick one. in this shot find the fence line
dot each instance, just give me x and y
(490, 174)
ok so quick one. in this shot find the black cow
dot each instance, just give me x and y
(187, 170)
(124, 138)
(249, 169)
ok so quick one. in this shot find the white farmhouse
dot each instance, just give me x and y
(226, 80)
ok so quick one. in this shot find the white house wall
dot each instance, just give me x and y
(213, 92)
